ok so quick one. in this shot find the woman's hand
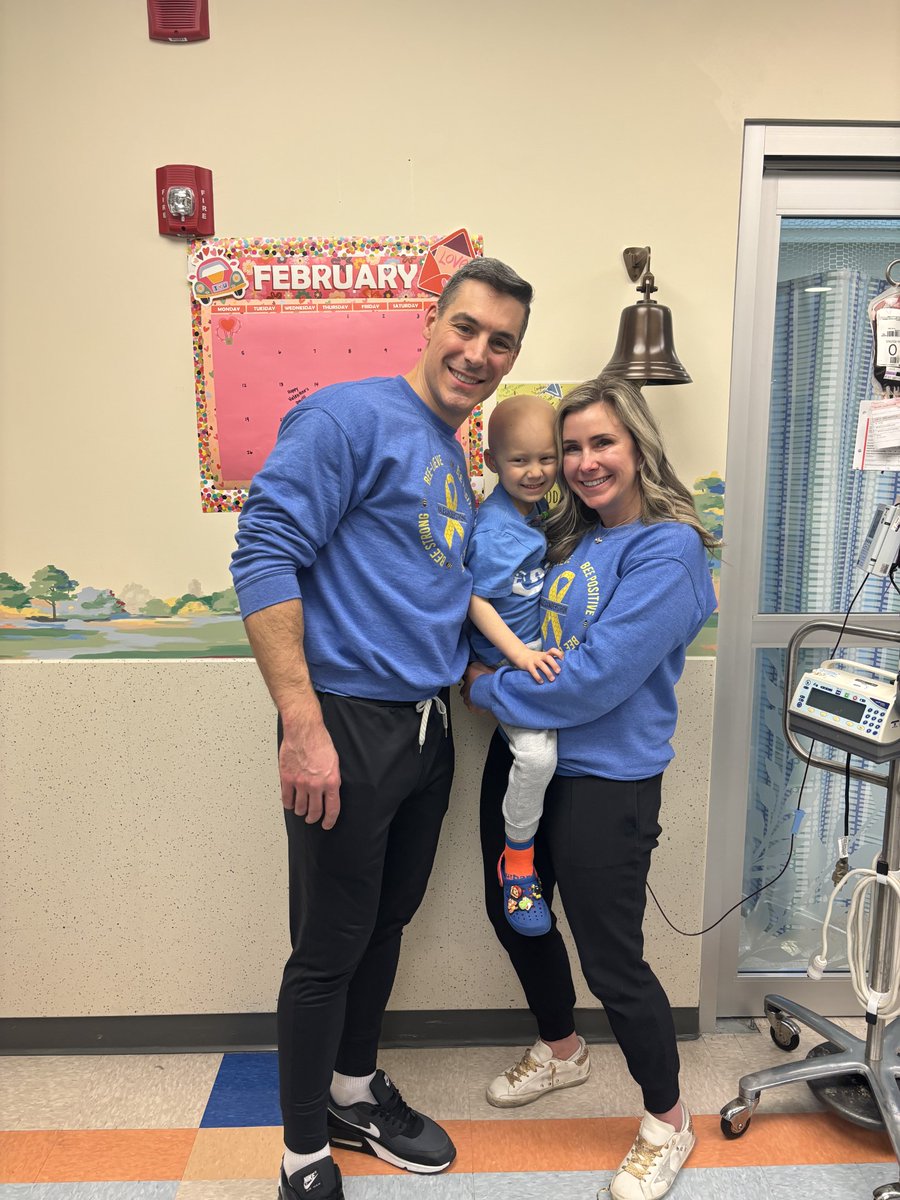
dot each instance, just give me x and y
(473, 671)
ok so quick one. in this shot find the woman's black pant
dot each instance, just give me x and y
(594, 844)
(353, 888)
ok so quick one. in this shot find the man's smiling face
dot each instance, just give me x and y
(470, 347)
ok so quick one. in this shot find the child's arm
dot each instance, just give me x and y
(488, 621)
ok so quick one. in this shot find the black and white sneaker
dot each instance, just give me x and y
(321, 1180)
(390, 1130)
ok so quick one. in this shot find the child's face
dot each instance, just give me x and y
(525, 461)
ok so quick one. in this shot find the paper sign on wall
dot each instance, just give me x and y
(275, 320)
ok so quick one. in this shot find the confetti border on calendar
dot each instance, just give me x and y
(269, 262)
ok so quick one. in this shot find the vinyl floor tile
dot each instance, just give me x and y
(149, 1091)
(830, 1182)
(561, 1145)
(123, 1154)
(873, 1175)
(778, 1139)
(435, 1081)
(574, 1185)
(227, 1189)
(24, 1152)
(403, 1186)
(133, 1190)
(564, 1147)
(44, 1091)
(245, 1092)
(253, 1153)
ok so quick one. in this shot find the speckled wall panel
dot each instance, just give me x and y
(142, 864)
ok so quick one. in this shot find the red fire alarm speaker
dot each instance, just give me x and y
(184, 201)
(178, 20)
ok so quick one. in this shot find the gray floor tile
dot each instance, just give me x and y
(149, 1091)
(132, 1190)
(409, 1187)
(821, 1182)
(44, 1091)
(433, 1081)
(574, 1185)
(227, 1189)
(720, 1183)
(874, 1175)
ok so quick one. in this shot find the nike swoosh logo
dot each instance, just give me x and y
(370, 1129)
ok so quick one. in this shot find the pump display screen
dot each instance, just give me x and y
(850, 710)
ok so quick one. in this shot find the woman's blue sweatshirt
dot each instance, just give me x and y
(623, 608)
(363, 511)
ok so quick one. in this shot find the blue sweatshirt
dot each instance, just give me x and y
(623, 608)
(506, 557)
(363, 511)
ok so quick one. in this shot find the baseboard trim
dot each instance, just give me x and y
(207, 1032)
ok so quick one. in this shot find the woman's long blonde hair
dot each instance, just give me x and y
(663, 496)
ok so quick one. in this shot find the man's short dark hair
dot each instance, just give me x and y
(496, 275)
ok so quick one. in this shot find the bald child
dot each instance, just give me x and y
(506, 556)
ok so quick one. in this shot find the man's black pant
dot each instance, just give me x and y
(353, 888)
(594, 843)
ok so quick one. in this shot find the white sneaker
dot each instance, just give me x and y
(538, 1072)
(650, 1166)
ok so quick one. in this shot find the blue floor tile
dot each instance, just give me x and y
(245, 1093)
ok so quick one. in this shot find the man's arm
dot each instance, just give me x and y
(307, 761)
(488, 621)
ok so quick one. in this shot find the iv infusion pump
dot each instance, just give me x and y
(851, 706)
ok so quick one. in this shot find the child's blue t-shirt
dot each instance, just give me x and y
(506, 558)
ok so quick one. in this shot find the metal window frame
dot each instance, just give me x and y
(778, 159)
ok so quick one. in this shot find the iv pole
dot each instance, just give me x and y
(875, 1059)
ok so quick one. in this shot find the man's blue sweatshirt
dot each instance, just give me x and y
(363, 511)
(623, 608)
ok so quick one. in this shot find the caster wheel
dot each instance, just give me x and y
(785, 1035)
(735, 1120)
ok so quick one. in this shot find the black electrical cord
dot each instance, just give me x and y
(762, 888)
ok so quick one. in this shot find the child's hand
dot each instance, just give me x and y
(539, 663)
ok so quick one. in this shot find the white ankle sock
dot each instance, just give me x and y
(351, 1089)
(296, 1162)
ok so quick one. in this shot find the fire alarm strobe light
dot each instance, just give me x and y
(185, 201)
(178, 20)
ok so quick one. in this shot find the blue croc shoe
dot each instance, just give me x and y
(523, 902)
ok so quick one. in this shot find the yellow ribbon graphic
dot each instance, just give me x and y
(554, 605)
(453, 526)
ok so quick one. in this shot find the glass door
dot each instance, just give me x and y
(795, 515)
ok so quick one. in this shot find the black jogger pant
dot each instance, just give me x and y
(594, 844)
(353, 888)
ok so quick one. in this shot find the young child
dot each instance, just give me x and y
(506, 557)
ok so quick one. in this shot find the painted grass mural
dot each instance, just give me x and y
(54, 616)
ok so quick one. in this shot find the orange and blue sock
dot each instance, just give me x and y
(518, 858)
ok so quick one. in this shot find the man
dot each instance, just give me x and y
(351, 578)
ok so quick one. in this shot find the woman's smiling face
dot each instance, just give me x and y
(600, 464)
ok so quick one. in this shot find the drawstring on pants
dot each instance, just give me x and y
(424, 707)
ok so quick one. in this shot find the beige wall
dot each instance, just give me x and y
(143, 855)
(560, 132)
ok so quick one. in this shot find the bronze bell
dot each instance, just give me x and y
(645, 351)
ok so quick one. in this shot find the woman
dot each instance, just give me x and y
(627, 590)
